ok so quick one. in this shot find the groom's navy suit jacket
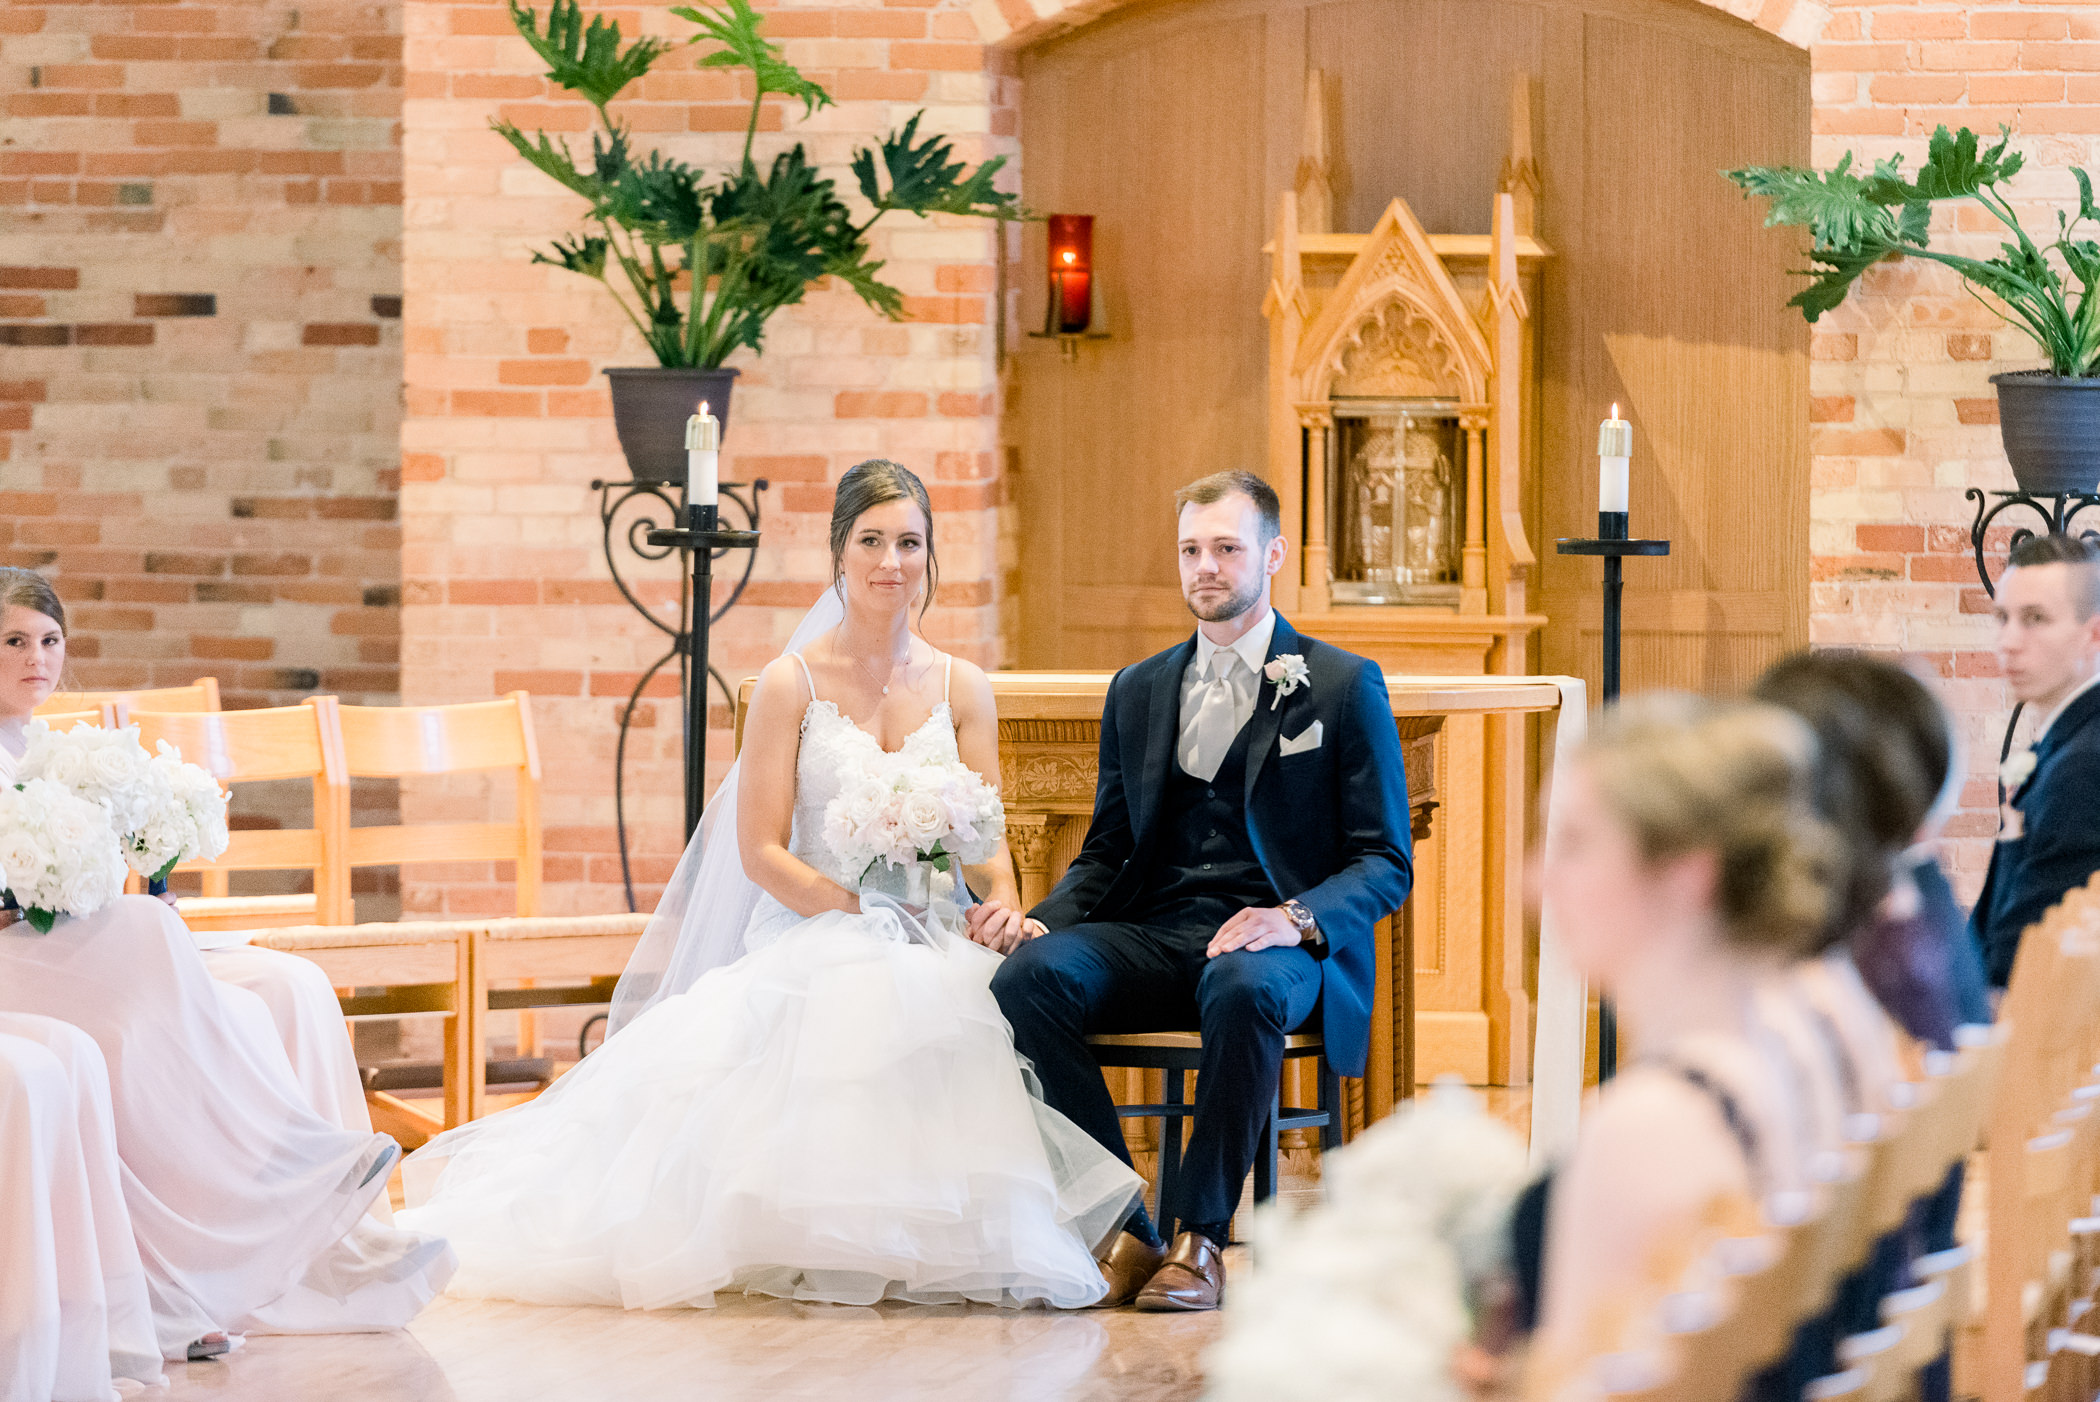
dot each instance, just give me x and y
(2059, 847)
(1330, 823)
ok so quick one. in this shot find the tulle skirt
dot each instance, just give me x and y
(838, 1116)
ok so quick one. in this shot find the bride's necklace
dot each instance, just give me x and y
(868, 671)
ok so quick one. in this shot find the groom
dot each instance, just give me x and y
(1250, 828)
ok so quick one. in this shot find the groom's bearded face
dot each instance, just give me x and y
(1223, 559)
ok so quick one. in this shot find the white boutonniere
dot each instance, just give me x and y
(2016, 769)
(1288, 671)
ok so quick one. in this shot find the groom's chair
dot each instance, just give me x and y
(1177, 1055)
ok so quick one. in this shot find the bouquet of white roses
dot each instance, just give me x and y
(58, 855)
(899, 811)
(162, 810)
(1368, 1295)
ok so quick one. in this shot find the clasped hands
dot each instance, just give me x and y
(998, 926)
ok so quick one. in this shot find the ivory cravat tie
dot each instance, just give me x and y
(1215, 721)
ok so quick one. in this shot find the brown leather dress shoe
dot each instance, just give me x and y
(1193, 1277)
(1129, 1265)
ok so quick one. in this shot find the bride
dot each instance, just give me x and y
(808, 1093)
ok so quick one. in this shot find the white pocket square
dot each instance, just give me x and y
(1298, 744)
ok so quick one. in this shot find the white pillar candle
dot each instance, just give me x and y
(1614, 447)
(703, 442)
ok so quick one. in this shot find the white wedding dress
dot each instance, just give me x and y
(839, 1115)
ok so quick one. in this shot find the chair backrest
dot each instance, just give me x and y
(1747, 1319)
(2044, 1139)
(200, 695)
(398, 742)
(105, 715)
(281, 742)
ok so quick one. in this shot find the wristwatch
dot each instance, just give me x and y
(1308, 925)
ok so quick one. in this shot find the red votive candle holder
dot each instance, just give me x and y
(1071, 273)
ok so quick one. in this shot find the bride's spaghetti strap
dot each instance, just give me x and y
(947, 677)
(812, 681)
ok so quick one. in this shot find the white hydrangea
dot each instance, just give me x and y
(161, 810)
(1365, 1296)
(58, 853)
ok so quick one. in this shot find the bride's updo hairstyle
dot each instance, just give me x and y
(1685, 774)
(20, 588)
(870, 484)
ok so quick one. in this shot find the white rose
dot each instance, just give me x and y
(72, 826)
(84, 892)
(22, 856)
(863, 800)
(923, 817)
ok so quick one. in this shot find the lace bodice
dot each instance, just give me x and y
(832, 747)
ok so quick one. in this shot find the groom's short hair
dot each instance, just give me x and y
(1220, 485)
(2079, 553)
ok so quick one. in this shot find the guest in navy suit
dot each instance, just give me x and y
(1250, 829)
(2048, 609)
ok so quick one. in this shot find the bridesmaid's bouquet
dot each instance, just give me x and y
(58, 855)
(1372, 1293)
(161, 809)
(901, 811)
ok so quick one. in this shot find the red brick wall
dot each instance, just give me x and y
(199, 338)
(1905, 416)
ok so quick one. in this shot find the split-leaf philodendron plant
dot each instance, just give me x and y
(706, 263)
(1857, 219)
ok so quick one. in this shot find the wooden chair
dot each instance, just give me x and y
(1757, 1283)
(2044, 1158)
(282, 742)
(404, 969)
(1178, 1055)
(399, 742)
(200, 695)
(106, 715)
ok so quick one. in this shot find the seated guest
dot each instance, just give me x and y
(1688, 872)
(249, 1209)
(294, 992)
(1899, 950)
(1892, 742)
(2048, 611)
(73, 1311)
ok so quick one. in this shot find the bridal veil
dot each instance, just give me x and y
(699, 923)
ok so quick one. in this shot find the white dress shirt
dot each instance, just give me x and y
(2083, 687)
(1249, 653)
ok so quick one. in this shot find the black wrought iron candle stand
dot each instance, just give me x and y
(2058, 512)
(1612, 543)
(700, 538)
(626, 516)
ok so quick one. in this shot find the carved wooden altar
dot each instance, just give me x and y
(1401, 378)
(1049, 742)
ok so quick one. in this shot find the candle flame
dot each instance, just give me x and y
(1070, 256)
(1615, 408)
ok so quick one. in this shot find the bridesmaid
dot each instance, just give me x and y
(73, 1310)
(249, 1209)
(295, 993)
(1688, 873)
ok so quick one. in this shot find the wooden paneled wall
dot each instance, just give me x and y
(1178, 124)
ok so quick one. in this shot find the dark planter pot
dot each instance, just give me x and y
(650, 407)
(2051, 428)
